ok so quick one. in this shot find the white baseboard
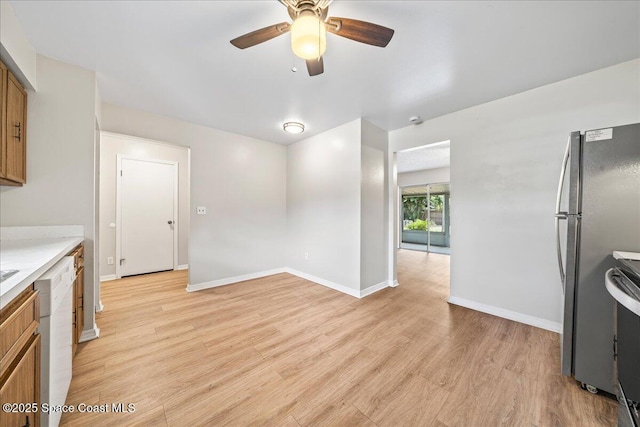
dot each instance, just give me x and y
(90, 334)
(507, 314)
(110, 277)
(324, 282)
(319, 280)
(394, 283)
(236, 279)
(100, 307)
(373, 289)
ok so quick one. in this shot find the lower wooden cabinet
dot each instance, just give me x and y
(78, 295)
(80, 302)
(21, 388)
(20, 360)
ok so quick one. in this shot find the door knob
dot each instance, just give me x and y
(169, 222)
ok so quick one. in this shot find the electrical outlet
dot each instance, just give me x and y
(110, 260)
(306, 255)
(201, 210)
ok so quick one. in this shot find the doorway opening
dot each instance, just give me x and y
(144, 206)
(425, 218)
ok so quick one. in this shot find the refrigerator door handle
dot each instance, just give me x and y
(561, 215)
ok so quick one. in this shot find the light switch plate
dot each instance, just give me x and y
(201, 210)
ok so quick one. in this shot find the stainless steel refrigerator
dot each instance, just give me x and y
(597, 212)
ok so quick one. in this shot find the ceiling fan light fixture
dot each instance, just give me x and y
(293, 127)
(308, 36)
(311, 22)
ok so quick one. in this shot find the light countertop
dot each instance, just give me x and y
(32, 257)
(626, 255)
(630, 260)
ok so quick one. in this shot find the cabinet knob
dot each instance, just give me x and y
(169, 222)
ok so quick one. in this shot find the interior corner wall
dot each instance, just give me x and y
(96, 201)
(111, 146)
(240, 180)
(323, 205)
(98, 108)
(393, 232)
(429, 176)
(505, 162)
(60, 161)
(374, 198)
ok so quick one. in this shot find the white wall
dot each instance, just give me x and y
(15, 49)
(374, 198)
(505, 161)
(240, 180)
(60, 161)
(429, 176)
(114, 144)
(268, 204)
(323, 205)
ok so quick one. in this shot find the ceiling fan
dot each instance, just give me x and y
(309, 32)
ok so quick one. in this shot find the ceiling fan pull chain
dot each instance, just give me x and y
(319, 31)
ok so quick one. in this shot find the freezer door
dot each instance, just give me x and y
(572, 232)
(610, 221)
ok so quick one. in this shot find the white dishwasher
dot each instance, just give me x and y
(56, 298)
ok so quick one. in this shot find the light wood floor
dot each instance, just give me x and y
(283, 351)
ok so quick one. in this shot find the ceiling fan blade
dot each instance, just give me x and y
(315, 66)
(262, 35)
(360, 31)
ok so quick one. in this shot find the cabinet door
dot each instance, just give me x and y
(18, 322)
(78, 257)
(16, 130)
(74, 320)
(23, 386)
(79, 303)
(3, 120)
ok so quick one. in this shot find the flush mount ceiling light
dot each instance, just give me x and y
(309, 32)
(293, 127)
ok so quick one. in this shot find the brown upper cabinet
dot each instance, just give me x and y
(13, 132)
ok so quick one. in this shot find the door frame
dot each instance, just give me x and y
(119, 159)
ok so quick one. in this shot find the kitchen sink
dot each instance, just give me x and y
(5, 274)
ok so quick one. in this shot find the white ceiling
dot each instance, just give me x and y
(427, 157)
(174, 57)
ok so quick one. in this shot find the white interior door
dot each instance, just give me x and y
(148, 200)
